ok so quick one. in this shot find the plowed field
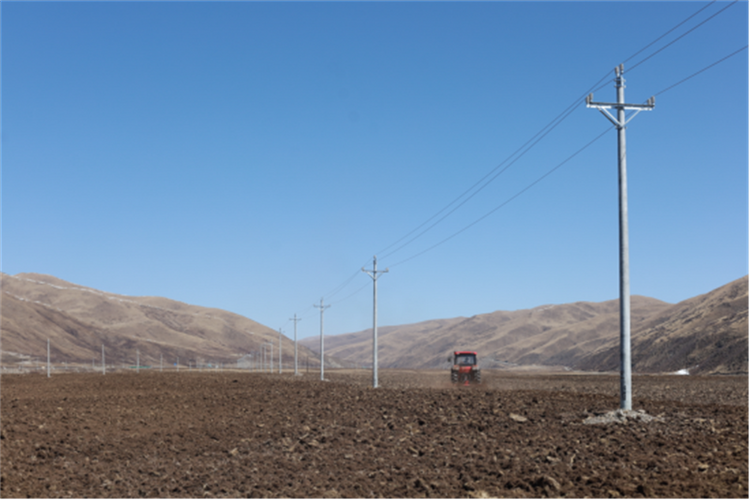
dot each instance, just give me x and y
(239, 434)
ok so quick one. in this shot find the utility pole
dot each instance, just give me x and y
(279, 351)
(626, 388)
(48, 365)
(104, 369)
(322, 310)
(295, 341)
(374, 275)
(269, 363)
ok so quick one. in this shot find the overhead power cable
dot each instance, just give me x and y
(701, 71)
(530, 144)
(483, 186)
(681, 36)
(670, 31)
(525, 148)
(557, 167)
(537, 137)
(519, 193)
(366, 285)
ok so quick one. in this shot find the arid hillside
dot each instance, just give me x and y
(78, 320)
(705, 334)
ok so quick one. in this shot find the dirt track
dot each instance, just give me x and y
(244, 434)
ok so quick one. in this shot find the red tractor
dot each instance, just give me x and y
(464, 368)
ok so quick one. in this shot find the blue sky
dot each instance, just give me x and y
(254, 156)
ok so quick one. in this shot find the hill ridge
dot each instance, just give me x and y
(582, 335)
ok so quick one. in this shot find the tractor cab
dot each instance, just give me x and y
(465, 368)
(465, 359)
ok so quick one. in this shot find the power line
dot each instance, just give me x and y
(527, 146)
(683, 35)
(483, 186)
(538, 180)
(702, 70)
(556, 167)
(351, 294)
(342, 285)
(670, 31)
(543, 132)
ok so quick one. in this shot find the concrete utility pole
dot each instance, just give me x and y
(295, 341)
(279, 351)
(322, 361)
(269, 363)
(374, 275)
(626, 391)
(48, 367)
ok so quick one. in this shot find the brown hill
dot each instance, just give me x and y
(78, 320)
(707, 334)
(545, 335)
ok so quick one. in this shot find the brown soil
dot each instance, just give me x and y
(239, 434)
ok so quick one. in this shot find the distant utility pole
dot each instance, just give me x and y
(322, 310)
(104, 369)
(374, 275)
(626, 390)
(137, 361)
(279, 351)
(48, 364)
(295, 341)
(269, 363)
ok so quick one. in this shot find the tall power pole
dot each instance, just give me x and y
(626, 391)
(374, 275)
(322, 310)
(295, 342)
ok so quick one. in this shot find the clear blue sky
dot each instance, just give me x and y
(254, 156)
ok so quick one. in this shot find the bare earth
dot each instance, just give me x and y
(239, 434)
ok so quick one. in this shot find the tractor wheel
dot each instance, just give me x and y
(454, 377)
(478, 377)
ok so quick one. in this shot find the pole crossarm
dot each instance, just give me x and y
(619, 122)
(604, 106)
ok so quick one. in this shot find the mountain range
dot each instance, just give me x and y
(78, 320)
(704, 334)
(707, 334)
